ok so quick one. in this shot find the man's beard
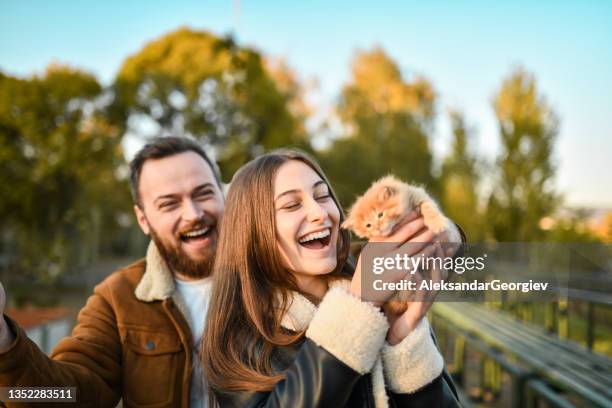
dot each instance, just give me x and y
(179, 261)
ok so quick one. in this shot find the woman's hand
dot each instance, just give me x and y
(403, 324)
(410, 237)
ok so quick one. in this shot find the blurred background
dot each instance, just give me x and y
(500, 111)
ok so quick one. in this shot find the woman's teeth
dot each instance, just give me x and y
(314, 235)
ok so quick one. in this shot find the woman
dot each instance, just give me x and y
(286, 324)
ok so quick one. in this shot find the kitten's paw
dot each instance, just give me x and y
(433, 218)
(394, 308)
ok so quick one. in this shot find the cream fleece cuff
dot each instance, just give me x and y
(452, 232)
(412, 363)
(352, 330)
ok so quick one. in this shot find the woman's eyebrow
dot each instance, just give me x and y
(286, 193)
(315, 185)
(318, 183)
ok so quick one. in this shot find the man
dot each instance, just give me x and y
(137, 336)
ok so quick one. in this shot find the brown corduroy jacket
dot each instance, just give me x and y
(132, 341)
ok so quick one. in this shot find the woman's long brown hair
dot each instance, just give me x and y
(251, 287)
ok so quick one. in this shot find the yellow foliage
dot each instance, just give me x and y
(604, 231)
(378, 82)
(518, 101)
(184, 55)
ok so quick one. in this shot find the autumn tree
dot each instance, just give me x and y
(524, 191)
(387, 122)
(194, 83)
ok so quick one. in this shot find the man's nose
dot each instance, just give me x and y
(191, 211)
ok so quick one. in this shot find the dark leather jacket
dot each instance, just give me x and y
(315, 378)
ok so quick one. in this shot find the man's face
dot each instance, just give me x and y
(181, 206)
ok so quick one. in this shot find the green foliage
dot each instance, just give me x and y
(194, 83)
(58, 160)
(524, 190)
(387, 122)
(460, 180)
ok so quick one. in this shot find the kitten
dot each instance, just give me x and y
(381, 207)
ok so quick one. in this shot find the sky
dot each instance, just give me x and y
(465, 48)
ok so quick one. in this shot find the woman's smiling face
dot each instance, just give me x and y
(307, 221)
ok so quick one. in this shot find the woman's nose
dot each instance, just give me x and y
(315, 211)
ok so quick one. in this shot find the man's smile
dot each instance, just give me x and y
(196, 234)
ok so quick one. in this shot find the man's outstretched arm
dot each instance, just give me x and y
(89, 360)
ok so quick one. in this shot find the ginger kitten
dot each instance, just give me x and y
(381, 207)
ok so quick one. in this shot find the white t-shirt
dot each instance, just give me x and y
(196, 296)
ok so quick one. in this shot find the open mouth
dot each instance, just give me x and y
(195, 235)
(316, 240)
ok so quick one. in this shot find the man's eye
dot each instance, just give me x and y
(167, 205)
(204, 194)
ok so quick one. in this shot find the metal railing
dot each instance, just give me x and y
(527, 388)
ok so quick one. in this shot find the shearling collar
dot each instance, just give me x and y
(298, 317)
(301, 310)
(157, 283)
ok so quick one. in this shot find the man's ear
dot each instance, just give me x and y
(142, 220)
